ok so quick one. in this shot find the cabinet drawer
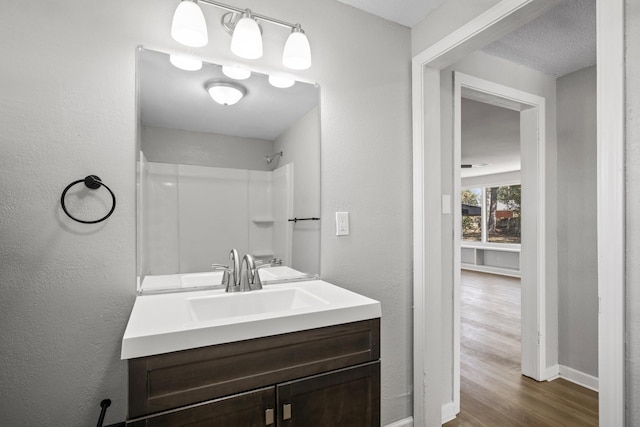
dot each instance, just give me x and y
(246, 409)
(167, 381)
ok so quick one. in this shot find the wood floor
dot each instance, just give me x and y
(492, 390)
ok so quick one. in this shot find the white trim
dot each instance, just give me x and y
(405, 422)
(578, 377)
(449, 411)
(573, 375)
(491, 180)
(533, 247)
(611, 210)
(492, 270)
(481, 30)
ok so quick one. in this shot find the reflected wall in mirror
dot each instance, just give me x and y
(214, 177)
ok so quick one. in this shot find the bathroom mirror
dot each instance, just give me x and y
(212, 177)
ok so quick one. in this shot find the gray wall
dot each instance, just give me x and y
(498, 70)
(301, 146)
(68, 110)
(184, 147)
(632, 60)
(577, 222)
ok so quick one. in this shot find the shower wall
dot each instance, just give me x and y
(193, 215)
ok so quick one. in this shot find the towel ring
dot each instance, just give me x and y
(93, 182)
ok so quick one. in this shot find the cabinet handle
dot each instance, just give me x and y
(268, 417)
(286, 411)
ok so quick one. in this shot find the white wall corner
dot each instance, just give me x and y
(449, 411)
(580, 378)
(552, 372)
(405, 422)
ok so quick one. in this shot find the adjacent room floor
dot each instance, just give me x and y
(492, 390)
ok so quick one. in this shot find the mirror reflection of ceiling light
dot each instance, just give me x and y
(225, 93)
(185, 63)
(189, 27)
(236, 73)
(280, 81)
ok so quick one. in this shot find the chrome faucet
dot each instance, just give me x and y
(233, 284)
(249, 277)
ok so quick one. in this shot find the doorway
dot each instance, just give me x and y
(429, 203)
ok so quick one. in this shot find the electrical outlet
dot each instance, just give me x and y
(342, 223)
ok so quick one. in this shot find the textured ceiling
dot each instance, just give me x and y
(405, 12)
(557, 43)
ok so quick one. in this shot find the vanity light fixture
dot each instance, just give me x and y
(280, 81)
(185, 63)
(297, 53)
(246, 41)
(189, 28)
(225, 93)
(236, 73)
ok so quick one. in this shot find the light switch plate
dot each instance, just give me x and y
(342, 223)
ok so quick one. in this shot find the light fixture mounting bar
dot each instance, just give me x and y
(255, 15)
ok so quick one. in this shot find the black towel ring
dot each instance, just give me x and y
(93, 182)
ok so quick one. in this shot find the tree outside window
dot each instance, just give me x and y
(472, 215)
(501, 208)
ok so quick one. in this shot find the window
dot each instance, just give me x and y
(496, 219)
(472, 215)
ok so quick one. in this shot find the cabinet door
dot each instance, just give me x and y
(252, 409)
(345, 398)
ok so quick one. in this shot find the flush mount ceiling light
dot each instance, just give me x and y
(280, 81)
(225, 93)
(189, 28)
(236, 73)
(185, 63)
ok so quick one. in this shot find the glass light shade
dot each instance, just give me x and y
(297, 52)
(246, 41)
(236, 73)
(185, 63)
(225, 93)
(189, 27)
(281, 82)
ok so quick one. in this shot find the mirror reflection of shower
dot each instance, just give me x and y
(272, 157)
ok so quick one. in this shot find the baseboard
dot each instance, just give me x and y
(449, 411)
(551, 373)
(573, 375)
(578, 377)
(405, 422)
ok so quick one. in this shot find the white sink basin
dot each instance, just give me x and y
(164, 323)
(214, 307)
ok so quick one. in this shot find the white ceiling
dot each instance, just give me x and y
(557, 43)
(177, 99)
(490, 135)
(405, 12)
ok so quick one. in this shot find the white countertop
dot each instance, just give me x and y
(167, 322)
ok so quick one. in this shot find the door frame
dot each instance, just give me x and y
(532, 110)
(427, 198)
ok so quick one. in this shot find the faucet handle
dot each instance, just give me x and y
(225, 275)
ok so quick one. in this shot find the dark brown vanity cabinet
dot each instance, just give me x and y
(321, 377)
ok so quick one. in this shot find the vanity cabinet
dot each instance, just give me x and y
(320, 377)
